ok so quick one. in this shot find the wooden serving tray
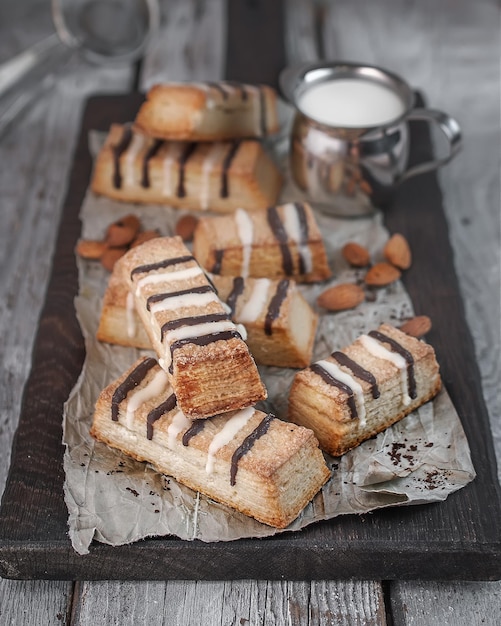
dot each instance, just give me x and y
(455, 539)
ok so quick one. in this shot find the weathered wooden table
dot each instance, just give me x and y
(451, 52)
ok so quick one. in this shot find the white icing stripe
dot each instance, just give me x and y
(215, 154)
(129, 159)
(174, 151)
(226, 434)
(292, 227)
(256, 301)
(186, 300)
(130, 313)
(154, 388)
(198, 330)
(376, 349)
(179, 423)
(245, 230)
(345, 378)
(168, 277)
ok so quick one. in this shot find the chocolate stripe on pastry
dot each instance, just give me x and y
(226, 166)
(118, 150)
(218, 87)
(275, 304)
(193, 321)
(262, 112)
(218, 261)
(375, 334)
(204, 340)
(358, 371)
(157, 413)
(236, 291)
(330, 380)
(240, 87)
(187, 152)
(130, 383)
(150, 153)
(280, 233)
(196, 427)
(304, 233)
(159, 297)
(144, 269)
(260, 430)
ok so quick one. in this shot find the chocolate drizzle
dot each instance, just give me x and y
(185, 155)
(157, 413)
(192, 321)
(358, 371)
(280, 233)
(224, 193)
(144, 269)
(160, 297)
(236, 291)
(396, 347)
(137, 375)
(118, 150)
(149, 154)
(204, 340)
(262, 112)
(218, 261)
(275, 304)
(196, 427)
(304, 233)
(247, 444)
(218, 87)
(330, 380)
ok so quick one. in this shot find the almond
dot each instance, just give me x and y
(382, 274)
(123, 231)
(111, 256)
(341, 297)
(186, 227)
(146, 235)
(90, 249)
(355, 254)
(417, 326)
(398, 252)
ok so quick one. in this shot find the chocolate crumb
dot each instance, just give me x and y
(133, 491)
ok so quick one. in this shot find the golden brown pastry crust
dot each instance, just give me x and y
(208, 111)
(322, 406)
(208, 362)
(272, 481)
(282, 241)
(133, 167)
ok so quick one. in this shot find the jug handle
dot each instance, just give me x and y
(450, 128)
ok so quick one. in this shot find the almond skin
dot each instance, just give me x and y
(397, 252)
(122, 232)
(355, 254)
(111, 256)
(417, 326)
(146, 235)
(341, 297)
(382, 274)
(90, 249)
(185, 227)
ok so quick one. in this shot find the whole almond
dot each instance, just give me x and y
(111, 256)
(355, 254)
(90, 249)
(185, 227)
(146, 235)
(123, 231)
(382, 274)
(397, 252)
(341, 297)
(417, 326)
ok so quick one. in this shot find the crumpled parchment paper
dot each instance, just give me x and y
(116, 500)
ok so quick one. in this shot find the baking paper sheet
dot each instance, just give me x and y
(116, 500)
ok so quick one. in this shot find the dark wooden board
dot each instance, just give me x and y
(455, 539)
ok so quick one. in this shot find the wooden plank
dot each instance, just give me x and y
(35, 602)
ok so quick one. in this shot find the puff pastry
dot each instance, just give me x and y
(208, 363)
(257, 464)
(281, 242)
(359, 391)
(208, 111)
(219, 176)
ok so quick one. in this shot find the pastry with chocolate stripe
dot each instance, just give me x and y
(218, 176)
(280, 242)
(253, 462)
(208, 111)
(203, 352)
(359, 391)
